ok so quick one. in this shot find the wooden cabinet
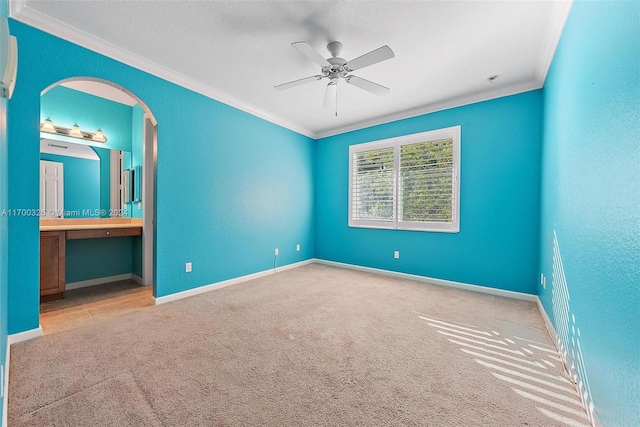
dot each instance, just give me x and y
(52, 254)
(52, 262)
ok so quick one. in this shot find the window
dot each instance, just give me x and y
(407, 183)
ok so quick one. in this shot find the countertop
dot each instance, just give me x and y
(88, 224)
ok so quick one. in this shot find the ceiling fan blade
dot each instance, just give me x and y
(381, 54)
(310, 53)
(367, 85)
(331, 97)
(298, 82)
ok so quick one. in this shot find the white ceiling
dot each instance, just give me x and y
(236, 51)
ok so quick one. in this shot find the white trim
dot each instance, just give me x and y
(566, 362)
(24, 336)
(432, 108)
(5, 397)
(433, 281)
(19, 12)
(225, 283)
(396, 143)
(137, 279)
(98, 281)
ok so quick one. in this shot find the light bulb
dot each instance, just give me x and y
(47, 126)
(75, 131)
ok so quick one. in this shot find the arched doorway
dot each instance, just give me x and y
(119, 130)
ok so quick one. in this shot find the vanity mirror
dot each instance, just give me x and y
(82, 181)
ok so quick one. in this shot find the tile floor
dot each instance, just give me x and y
(86, 305)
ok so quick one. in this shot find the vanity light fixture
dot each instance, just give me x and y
(74, 132)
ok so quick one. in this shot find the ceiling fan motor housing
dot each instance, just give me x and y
(336, 69)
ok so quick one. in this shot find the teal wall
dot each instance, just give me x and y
(81, 185)
(105, 178)
(96, 258)
(499, 193)
(65, 106)
(4, 232)
(230, 187)
(137, 133)
(590, 209)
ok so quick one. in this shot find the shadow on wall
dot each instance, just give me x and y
(568, 333)
(529, 367)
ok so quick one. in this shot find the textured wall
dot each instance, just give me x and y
(590, 209)
(499, 188)
(230, 187)
(4, 234)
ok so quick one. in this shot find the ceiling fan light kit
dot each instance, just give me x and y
(336, 68)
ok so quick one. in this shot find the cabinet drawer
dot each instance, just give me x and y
(103, 232)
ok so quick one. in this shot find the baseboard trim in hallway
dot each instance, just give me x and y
(24, 336)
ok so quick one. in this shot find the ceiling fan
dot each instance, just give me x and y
(336, 68)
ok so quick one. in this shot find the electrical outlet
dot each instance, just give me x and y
(396, 254)
(544, 282)
(298, 248)
(275, 252)
(187, 267)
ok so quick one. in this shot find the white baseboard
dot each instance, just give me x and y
(566, 362)
(136, 279)
(24, 336)
(433, 281)
(98, 281)
(5, 394)
(225, 283)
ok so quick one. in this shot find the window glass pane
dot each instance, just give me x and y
(372, 185)
(425, 191)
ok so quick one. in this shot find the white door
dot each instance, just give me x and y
(51, 189)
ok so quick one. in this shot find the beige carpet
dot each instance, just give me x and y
(313, 346)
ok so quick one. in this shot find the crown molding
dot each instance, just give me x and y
(21, 13)
(434, 107)
(557, 19)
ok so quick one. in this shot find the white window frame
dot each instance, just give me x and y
(434, 135)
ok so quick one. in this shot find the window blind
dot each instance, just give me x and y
(372, 192)
(426, 186)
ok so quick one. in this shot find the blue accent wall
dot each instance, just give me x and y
(497, 245)
(590, 209)
(81, 185)
(137, 134)
(230, 187)
(95, 258)
(4, 231)
(105, 178)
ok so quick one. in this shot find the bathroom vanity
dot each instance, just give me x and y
(54, 233)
